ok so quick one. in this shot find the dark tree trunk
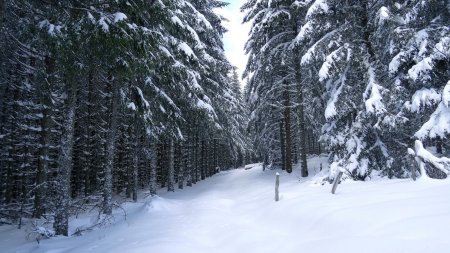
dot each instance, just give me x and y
(152, 155)
(110, 149)
(189, 159)
(41, 175)
(295, 151)
(181, 165)
(301, 113)
(89, 137)
(302, 135)
(62, 199)
(197, 165)
(288, 137)
(266, 161)
(439, 145)
(171, 171)
(136, 155)
(301, 119)
(203, 160)
(162, 166)
(282, 147)
(214, 155)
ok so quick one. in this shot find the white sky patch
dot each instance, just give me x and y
(236, 36)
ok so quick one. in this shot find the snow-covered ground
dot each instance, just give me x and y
(235, 211)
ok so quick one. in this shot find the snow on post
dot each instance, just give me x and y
(336, 182)
(277, 185)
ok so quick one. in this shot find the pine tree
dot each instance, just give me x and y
(416, 58)
(274, 63)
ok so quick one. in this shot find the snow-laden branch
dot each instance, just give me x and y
(425, 157)
(439, 123)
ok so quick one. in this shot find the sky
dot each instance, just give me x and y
(235, 38)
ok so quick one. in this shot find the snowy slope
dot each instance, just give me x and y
(234, 212)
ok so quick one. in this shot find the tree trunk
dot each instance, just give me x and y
(44, 141)
(181, 165)
(136, 153)
(189, 161)
(295, 151)
(301, 123)
(160, 164)
(439, 145)
(152, 154)
(110, 149)
(282, 148)
(265, 161)
(203, 165)
(62, 199)
(287, 125)
(214, 155)
(302, 135)
(89, 137)
(196, 175)
(41, 175)
(301, 112)
(171, 171)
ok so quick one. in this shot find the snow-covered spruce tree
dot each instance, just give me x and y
(340, 54)
(238, 120)
(274, 61)
(68, 84)
(268, 88)
(105, 28)
(418, 61)
(202, 43)
(186, 49)
(437, 127)
(232, 118)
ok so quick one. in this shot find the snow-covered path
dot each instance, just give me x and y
(234, 211)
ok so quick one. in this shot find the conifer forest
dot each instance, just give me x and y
(103, 98)
(105, 103)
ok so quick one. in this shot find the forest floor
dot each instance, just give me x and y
(234, 211)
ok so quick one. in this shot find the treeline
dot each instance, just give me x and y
(100, 99)
(369, 80)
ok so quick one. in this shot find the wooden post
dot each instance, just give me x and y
(277, 185)
(336, 181)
